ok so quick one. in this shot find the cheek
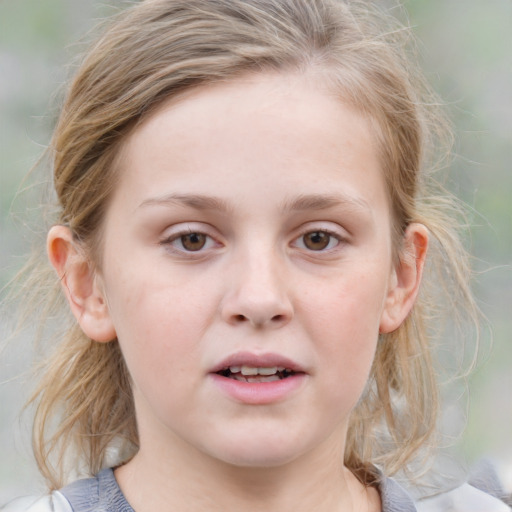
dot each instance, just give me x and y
(351, 304)
(158, 321)
(344, 319)
(150, 297)
(161, 345)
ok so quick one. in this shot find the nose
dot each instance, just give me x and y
(258, 294)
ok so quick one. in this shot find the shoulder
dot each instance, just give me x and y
(97, 494)
(465, 498)
(54, 502)
(482, 492)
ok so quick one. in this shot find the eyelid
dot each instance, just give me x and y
(186, 228)
(338, 233)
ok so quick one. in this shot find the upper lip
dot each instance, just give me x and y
(268, 360)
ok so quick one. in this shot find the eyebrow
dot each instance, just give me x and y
(303, 202)
(196, 201)
(324, 202)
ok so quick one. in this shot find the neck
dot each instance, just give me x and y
(155, 480)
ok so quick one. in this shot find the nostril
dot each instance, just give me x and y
(257, 318)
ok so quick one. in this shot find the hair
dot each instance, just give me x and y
(154, 51)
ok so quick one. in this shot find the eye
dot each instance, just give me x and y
(317, 241)
(191, 241)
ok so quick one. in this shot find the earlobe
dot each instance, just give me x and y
(406, 278)
(82, 287)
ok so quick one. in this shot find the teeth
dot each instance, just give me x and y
(267, 371)
(258, 378)
(251, 370)
(270, 378)
(241, 372)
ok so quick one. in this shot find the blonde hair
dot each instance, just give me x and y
(157, 49)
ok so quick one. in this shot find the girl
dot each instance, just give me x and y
(245, 208)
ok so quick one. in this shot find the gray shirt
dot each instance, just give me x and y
(102, 494)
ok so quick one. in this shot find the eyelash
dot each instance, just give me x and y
(209, 242)
(332, 236)
(179, 238)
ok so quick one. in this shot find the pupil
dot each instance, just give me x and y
(193, 241)
(317, 240)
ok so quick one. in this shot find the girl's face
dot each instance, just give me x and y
(248, 269)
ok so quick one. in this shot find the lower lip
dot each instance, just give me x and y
(259, 393)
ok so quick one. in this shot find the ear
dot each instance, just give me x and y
(406, 278)
(81, 285)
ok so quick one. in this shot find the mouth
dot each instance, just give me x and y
(246, 373)
(258, 379)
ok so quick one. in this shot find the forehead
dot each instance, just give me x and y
(287, 125)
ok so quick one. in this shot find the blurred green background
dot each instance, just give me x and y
(466, 51)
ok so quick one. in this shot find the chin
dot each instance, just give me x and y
(257, 459)
(262, 451)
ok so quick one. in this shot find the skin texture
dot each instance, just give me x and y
(281, 187)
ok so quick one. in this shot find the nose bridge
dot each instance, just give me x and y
(258, 291)
(262, 274)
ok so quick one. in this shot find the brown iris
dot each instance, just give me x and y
(193, 241)
(317, 240)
